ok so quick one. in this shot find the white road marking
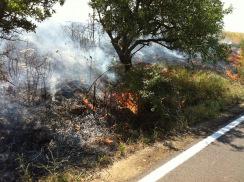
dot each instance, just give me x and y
(184, 156)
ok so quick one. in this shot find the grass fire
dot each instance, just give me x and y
(76, 96)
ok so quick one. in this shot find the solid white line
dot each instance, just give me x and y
(184, 156)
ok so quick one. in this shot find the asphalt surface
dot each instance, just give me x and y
(221, 161)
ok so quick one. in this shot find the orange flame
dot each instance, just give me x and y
(127, 100)
(88, 104)
(235, 58)
(231, 75)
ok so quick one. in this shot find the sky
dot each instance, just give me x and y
(235, 21)
(78, 10)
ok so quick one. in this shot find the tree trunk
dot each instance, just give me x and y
(124, 54)
(126, 60)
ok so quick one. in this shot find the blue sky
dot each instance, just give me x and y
(77, 10)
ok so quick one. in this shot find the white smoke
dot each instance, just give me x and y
(71, 62)
(156, 54)
(68, 61)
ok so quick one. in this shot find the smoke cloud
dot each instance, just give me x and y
(74, 52)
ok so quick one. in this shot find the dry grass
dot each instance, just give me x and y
(236, 37)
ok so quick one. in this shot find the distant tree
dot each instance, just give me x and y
(193, 27)
(17, 15)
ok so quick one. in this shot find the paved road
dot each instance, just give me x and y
(222, 161)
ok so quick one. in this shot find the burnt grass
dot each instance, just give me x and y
(51, 136)
(45, 136)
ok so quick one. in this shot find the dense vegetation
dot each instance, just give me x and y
(17, 15)
(172, 98)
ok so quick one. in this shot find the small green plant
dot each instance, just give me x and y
(104, 160)
(122, 149)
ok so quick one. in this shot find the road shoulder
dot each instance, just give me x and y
(135, 165)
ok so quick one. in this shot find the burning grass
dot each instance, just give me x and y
(127, 100)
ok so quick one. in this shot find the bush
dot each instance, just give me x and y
(172, 98)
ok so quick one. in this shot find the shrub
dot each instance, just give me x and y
(171, 98)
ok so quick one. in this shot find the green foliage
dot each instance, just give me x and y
(22, 14)
(173, 98)
(208, 110)
(122, 149)
(104, 160)
(190, 26)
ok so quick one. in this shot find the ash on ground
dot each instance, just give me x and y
(51, 135)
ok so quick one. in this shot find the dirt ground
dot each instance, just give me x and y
(144, 159)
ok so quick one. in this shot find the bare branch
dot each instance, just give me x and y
(146, 41)
(147, 44)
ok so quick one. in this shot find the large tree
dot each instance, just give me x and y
(18, 15)
(191, 26)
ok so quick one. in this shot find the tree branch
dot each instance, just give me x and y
(146, 41)
(147, 44)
